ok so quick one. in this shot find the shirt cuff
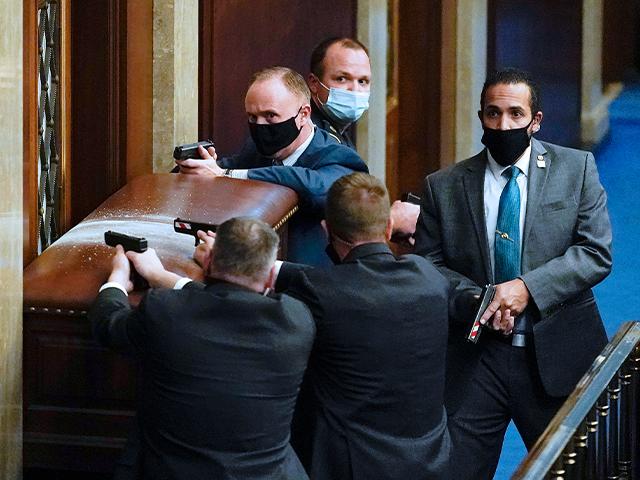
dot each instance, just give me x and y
(113, 285)
(181, 283)
(239, 173)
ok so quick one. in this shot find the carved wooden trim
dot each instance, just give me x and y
(30, 131)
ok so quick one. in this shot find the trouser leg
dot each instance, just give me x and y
(532, 409)
(478, 424)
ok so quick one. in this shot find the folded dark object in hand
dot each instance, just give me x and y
(485, 299)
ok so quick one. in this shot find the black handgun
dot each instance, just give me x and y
(485, 299)
(403, 238)
(128, 242)
(411, 198)
(191, 228)
(190, 150)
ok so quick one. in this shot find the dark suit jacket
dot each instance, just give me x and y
(221, 371)
(378, 365)
(566, 250)
(322, 121)
(321, 164)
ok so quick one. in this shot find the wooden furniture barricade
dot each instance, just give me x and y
(79, 398)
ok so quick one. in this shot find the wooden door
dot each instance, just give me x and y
(239, 37)
(413, 101)
(543, 37)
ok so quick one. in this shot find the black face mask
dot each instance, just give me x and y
(273, 137)
(506, 145)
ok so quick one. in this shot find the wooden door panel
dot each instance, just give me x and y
(239, 37)
(545, 38)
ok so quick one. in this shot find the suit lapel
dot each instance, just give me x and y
(473, 181)
(539, 167)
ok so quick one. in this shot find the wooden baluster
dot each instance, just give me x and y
(633, 364)
(592, 430)
(577, 472)
(569, 457)
(557, 471)
(624, 459)
(602, 406)
(613, 393)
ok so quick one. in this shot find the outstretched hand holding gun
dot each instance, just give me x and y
(202, 253)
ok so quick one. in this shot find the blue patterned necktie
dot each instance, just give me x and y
(507, 243)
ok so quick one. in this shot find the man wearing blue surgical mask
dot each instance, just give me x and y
(285, 148)
(339, 81)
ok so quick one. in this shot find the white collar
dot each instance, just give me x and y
(522, 163)
(293, 158)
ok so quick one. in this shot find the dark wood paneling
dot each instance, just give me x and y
(419, 53)
(98, 108)
(239, 37)
(620, 40)
(78, 397)
(139, 88)
(543, 37)
(30, 132)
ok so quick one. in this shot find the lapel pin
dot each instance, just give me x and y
(540, 162)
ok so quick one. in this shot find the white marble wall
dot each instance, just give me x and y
(594, 117)
(10, 239)
(471, 67)
(175, 78)
(372, 127)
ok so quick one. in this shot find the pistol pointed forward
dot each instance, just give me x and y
(190, 227)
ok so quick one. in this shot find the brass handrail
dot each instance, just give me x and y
(565, 442)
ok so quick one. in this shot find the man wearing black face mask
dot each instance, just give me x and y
(286, 149)
(531, 218)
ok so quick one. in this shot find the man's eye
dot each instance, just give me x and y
(252, 119)
(363, 81)
(271, 115)
(341, 79)
(492, 114)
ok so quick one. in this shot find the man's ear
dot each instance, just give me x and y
(537, 120)
(388, 231)
(305, 113)
(312, 82)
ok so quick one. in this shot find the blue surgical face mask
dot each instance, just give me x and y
(344, 106)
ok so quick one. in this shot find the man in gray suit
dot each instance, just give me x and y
(530, 217)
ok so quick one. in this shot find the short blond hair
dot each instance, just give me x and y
(291, 79)
(358, 208)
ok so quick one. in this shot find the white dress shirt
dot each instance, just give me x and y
(178, 285)
(494, 183)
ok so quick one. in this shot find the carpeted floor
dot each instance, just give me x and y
(618, 297)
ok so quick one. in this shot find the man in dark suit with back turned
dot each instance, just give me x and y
(377, 368)
(530, 217)
(222, 363)
(287, 149)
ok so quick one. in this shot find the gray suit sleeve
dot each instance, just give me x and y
(428, 243)
(588, 260)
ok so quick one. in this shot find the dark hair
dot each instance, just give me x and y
(244, 248)
(357, 207)
(317, 56)
(511, 76)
